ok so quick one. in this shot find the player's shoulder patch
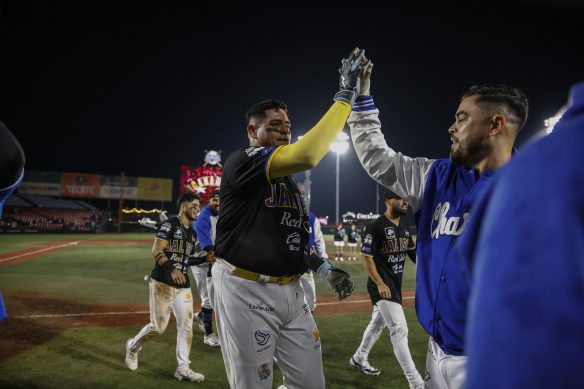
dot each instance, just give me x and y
(166, 226)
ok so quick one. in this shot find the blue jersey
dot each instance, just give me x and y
(526, 316)
(5, 192)
(442, 287)
(204, 229)
(441, 193)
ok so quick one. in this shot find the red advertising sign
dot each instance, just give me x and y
(200, 179)
(80, 185)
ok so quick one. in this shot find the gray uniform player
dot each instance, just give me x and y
(174, 251)
(262, 235)
(385, 246)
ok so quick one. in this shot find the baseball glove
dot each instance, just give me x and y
(341, 282)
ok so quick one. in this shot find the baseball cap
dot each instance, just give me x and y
(388, 195)
(214, 194)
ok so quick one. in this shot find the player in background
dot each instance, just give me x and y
(442, 193)
(316, 244)
(339, 241)
(11, 164)
(173, 251)
(262, 246)
(386, 244)
(205, 227)
(352, 242)
(524, 247)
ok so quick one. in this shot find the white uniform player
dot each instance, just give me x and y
(174, 249)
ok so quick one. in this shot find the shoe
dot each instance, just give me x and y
(189, 375)
(364, 365)
(131, 356)
(199, 320)
(211, 340)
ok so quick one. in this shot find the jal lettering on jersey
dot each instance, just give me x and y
(444, 225)
(391, 246)
(282, 197)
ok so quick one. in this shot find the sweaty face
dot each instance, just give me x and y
(191, 210)
(274, 130)
(214, 205)
(469, 133)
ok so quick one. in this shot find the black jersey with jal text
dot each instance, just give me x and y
(181, 247)
(262, 226)
(388, 246)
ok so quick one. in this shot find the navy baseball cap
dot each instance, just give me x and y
(214, 194)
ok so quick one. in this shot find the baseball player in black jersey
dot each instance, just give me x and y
(385, 246)
(262, 234)
(174, 251)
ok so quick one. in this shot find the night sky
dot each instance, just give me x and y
(140, 88)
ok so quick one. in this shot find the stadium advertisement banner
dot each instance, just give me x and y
(40, 188)
(110, 187)
(201, 179)
(42, 176)
(80, 185)
(155, 189)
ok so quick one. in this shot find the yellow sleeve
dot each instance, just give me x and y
(308, 151)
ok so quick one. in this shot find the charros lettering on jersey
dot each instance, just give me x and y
(444, 225)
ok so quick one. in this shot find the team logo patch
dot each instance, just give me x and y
(316, 338)
(264, 371)
(389, 233)
(251, 151)
(178, 234)
(261, 339)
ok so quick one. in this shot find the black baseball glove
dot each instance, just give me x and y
(340, 281)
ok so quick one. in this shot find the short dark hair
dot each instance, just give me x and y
(511, 97)
(187, 197)
(258, 110)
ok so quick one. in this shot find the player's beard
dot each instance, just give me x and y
(469, 152)
(214, 210)
(399, 211)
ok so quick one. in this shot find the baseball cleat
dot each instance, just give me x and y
(189, 375)
(363, 364)
(131, 356)
(211, 340)
(199, 320)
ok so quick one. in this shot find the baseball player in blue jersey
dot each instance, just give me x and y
(11, 164)
(525, 251)
(205, 227)
(442, 192)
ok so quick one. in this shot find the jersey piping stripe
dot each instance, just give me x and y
(269, 163)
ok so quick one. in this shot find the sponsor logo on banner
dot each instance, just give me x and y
(261, 339)
(40, 188)
(80, 185)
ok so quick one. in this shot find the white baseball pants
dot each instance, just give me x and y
(444, 371)
(163, 300)
(203, 283)
(262, 322)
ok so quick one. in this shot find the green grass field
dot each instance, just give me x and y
(113, 273)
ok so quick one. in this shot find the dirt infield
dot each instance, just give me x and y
(34, 320)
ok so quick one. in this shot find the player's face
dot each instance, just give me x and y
(398, 206)
(274, 130)
(191, 210)
(214, 205)
(469, 133)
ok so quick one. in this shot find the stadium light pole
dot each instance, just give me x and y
(339, 147)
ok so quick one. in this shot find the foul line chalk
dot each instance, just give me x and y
(39, 251)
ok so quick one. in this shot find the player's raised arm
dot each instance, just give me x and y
(406, 176)
(308, 151)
